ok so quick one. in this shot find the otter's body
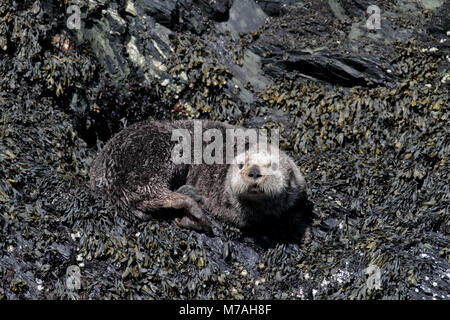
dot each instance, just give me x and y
(135, 172)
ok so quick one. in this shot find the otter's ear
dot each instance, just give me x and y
(296, 180)
(292, 180)
(297, 184)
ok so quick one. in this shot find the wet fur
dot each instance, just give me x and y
(134, 171)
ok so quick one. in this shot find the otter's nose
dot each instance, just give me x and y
(254, 173)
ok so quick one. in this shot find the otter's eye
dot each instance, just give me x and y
(274, 166)
(240, 166)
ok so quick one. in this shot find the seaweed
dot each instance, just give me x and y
(364, 114)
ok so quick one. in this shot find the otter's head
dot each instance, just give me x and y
(257, 174)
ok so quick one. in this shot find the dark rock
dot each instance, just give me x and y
(440, 23)
(349, 70)
(163, 11)
(275, 7)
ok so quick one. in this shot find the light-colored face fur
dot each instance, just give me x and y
(258, 174)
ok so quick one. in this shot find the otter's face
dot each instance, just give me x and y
(257, 175)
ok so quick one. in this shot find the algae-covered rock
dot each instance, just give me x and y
(364, 113)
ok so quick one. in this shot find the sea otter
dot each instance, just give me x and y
(136, 171)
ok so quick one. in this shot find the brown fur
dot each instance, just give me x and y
(134, 171)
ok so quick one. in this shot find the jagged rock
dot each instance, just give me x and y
(245, 16)
(333, 68)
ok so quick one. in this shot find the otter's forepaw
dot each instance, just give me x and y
(190, 191)
(190, 223)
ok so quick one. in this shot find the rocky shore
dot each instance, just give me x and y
(363, 111)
